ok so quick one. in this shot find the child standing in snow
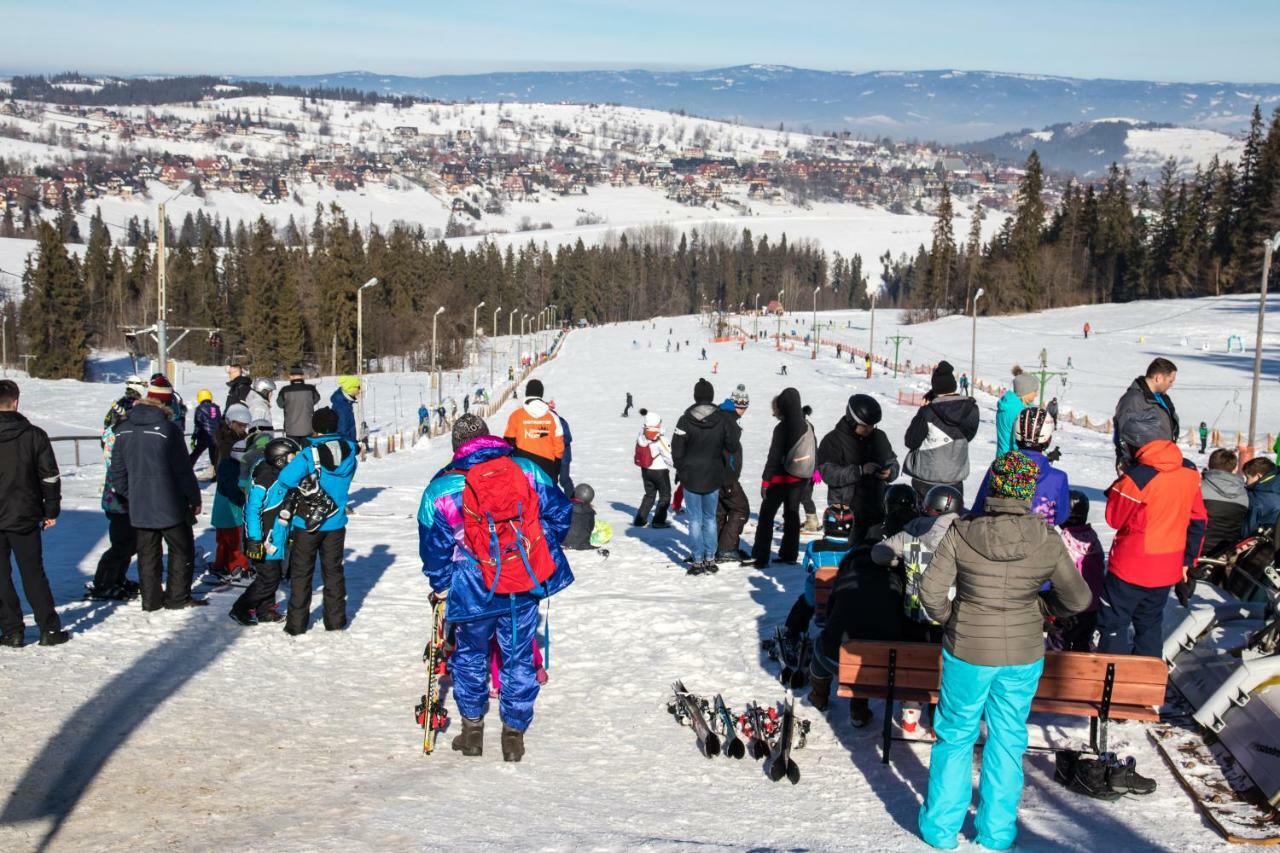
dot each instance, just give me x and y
(1075, 633)
(583, 521)
(653, 458)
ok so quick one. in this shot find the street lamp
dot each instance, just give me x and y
(434, 377)
(493, 341)
(973, 350)
(373, 282)
(815, 321)
(871, 344)
(475, 339)
(755, 323)
(1269, 247)
(779, 343)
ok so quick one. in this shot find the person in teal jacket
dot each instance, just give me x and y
(1017, 398)
(321, 474)
(265, 541)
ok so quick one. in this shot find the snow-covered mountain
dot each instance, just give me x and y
(944, 105)
(1089, 148)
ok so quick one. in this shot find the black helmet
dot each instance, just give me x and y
(1079, 508)
(900, 498)
(864, 409)
(837, 521)
(941, 500)
(277, 451)
(583, 493)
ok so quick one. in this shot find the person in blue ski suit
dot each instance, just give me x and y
(342, 401)
(476, 613)
(1033, 432)
(265, 541)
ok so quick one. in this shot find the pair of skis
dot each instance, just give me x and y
(793, 654)
(430, 712)
(772, 734)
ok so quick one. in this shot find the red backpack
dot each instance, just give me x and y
(502, 528)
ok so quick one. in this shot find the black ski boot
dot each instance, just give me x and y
(471, 741)
(820, 691)
(1125, 779)
(512, 744)
(1086, 776)
(53, 638)
(14, 640)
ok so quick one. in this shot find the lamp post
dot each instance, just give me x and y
(871, 344)
(755, 323)
(434, 376)
(373, 282)
(973, 347)
(815, 321)
(492, 346)
(1269, 246)
(475, 338)
(779, 342)
(525, 316)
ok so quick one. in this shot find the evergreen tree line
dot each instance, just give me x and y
(176, 90)
(280, 296)
(1116, 241)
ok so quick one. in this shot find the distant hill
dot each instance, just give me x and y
(1089, 148)
(949, 106)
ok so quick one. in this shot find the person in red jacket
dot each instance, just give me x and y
(1159, 519)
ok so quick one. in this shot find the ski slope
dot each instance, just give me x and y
(184, 730)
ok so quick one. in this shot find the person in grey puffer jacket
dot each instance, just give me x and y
(1145, 411)
(1225, 500)
(993, 650)
(938, 437)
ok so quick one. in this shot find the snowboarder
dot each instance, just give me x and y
(30, 502)
(536, 432)
(1011, 403)
(856, 460)
(207, 417)
(238, 384)
(939, 435)
(485, 603)
(424, 419)
(785, 473)
(703, 440)
(827, 552)
(1145, 412)
(298, 399)
(626, 408)
(733, 509)
(110, 581)
(265, 542)
(653, 457)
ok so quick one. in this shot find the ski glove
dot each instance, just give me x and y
(255, 550)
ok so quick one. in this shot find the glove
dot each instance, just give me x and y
(1183, 590)
(255, 550)
(870, 469)
(1054, 455)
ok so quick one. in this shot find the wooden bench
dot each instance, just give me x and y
(824, 581)
(1081, 684)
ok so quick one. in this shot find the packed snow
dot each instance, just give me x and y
(168, 730)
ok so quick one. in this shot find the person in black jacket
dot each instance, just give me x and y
(733, 508)
(703, 439)
(779, 489)
(30, 500)
(239, 384)
(938, 437)
(298, 399)
(152, 475)
(856, 460)
(1225, 499)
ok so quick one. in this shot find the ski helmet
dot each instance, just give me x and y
(837, 522)
(899, 498)
(941, 500)
(583, 493)
(264, 386)
(1079, 513)
(277, 451)
(864, 409)
(1033, 429)
(601, 533)
(204, 395)
(740, 397)
(135, 386)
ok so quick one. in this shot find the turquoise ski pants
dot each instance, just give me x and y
(1002, 695)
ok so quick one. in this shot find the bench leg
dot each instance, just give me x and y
(1093, 734)
(888, 705)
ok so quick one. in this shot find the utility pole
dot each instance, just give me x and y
(434, 376)
(871, 338)
(780, 312)
(755, 323)
(815, 323)
(1044, 374)
(1270, 246)
(475, 339)
(897, 340)
(973, 345)
(360, 342)
(493, 342)
(162, 326)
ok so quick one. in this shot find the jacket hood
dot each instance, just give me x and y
(536, 406)
(1270, 484)
(340, 396)
(791, 414)
(952, 409)
(1223, 486)
(482, 448)
(1161, 454)
(339, 451)
(1006, 533)
(727, 406)
(703, 414)
(12, 425)
(148, 411)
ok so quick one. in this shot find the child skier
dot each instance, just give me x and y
(208, 416)
(827, 552)
(265, 543)
(1075, 633)
(653, 457)
(1033, 433)
(911, 549)
(583, 521)
(228, 515)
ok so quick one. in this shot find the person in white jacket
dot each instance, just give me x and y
(259, 399)
(653, 457)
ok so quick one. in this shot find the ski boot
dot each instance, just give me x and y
(13, 640)
(53, 638)
(512, 744)
(1083, 775)
(269, 614)
(820, 691)
(859, 713)
(1124, 778)
(242, 617)
(471, 741)
(811, 523)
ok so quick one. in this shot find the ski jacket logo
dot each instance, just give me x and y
(502, 528)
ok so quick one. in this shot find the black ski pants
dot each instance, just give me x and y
(201, 443)
(176, 590)
(328, 545)
(657, 485)
(261, 593)
(28, 550)
(784, 496)
(113, 565)
(732, 512)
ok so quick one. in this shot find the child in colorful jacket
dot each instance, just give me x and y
(1075, 633)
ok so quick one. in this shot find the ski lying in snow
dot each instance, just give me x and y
(1215, 780)
(430, 711)
(689, 710)
(780, 762)
(793, 654)
(731, 745)
(759, 727)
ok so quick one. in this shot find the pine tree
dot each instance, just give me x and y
(943, 253)
(53, 311)
(1028, 225)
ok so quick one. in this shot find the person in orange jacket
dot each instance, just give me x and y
(536, 432)
(1160, 520)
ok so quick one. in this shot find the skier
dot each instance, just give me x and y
(855, 460)
(30, 502)
(227, 516)
(486, 602)
(151, 473)
(964, 384)
(424, 419)
(265, 542)
(1087, 330)
(466, 404)
(939, 435)
(177, 406)
(298, 400)
(536, 432)
(811, 523)
(911, 549)
(1075, 633)
(653, 457)
(322, 473)
(1225, 501)
(1145, 412)
(583, 520)
(704, 354)
(231, 428)
(783, 371)
(1204, 436)
(993, 651)
(238, 384)
(342, 401)
(827, 552)
(134, 387)
(1052, 501)
(1010, 405)
(626, 409)
(703, 440)
(733, 509)
(259, 399)
(207, 419)
(785, 473)
(1260, 476)
(109, 581)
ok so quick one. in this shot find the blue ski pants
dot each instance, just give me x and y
(1002, 695)
(469, 665)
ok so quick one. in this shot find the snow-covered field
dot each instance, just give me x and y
(183, 730)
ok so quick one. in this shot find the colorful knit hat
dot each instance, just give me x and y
(1014, 476)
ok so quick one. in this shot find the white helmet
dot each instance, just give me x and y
(238, 413)
(136, 384)
(1033, 429)
(264, 386)
(652, 420)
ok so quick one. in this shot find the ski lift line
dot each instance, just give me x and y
(1097, 332)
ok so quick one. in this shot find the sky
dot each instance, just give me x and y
(1168, 40)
